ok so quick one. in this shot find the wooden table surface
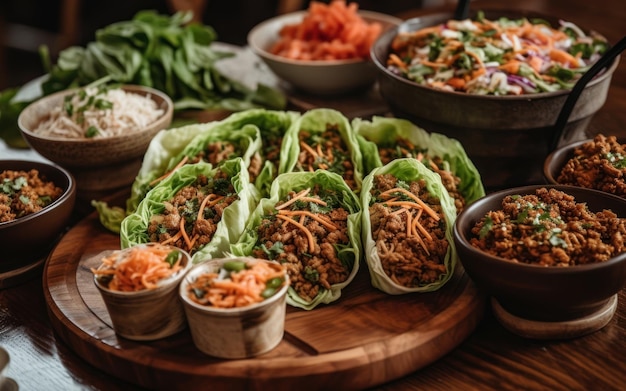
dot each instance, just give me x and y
(491, 358)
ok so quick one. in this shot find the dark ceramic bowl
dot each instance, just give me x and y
(555, 161)
(549, 294)
(25, 239)
(507, 137)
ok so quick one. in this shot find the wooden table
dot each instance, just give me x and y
(491, 358)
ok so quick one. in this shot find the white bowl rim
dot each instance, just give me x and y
(201, 267)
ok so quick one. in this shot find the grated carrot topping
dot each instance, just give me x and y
(239, 289)
(178, 165)
(306, 213)
(296, 197)
(302, 227)
(427, 208)
(137, 268)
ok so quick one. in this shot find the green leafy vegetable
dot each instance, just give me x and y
(164, 52)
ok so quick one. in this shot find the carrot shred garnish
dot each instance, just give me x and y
(184, 233)
(304, 229)
(138, 268)
(178, 165)
(296, 197)
(427, 208)
(239, 289)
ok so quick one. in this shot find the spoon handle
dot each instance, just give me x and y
(462, 10)
(604, 61)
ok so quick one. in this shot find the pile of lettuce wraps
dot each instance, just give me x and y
(315, 191)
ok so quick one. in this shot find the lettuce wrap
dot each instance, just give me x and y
(447, 153)
(177, 200)
(325, 262)
(255, 132)
(323, 139)
(406, 248)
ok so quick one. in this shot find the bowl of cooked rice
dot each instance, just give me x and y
(323, 50)
(99, 133)
(496, 82)
(552, 257)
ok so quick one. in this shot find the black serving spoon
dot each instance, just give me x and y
(607, 59)
(462, 10)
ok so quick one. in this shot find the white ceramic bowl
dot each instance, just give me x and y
(238, 332)
(315, 77)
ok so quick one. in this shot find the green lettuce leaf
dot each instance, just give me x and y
(316, 122)
(408, 170)
(134, 226)
(253, 128)
(296, 181)
(382, 131)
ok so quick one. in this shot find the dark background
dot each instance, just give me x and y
(26, 24)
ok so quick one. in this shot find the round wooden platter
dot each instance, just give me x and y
(364, 339)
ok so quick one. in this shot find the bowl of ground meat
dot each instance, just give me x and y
(552, 257)
(36, 203)
(598, 163)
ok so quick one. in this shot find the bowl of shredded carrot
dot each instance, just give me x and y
(496, 82)
(323, 50)
(235, 307)
(139, 288)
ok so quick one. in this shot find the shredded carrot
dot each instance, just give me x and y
(510, 67)
(395, 60)
(295, 198)
(333, 31)
(202, 206)
(240, 288)
(137, 268)
(184, 233)
(308, 148)
(315, 217)
(178, 165)
(302, 227)
(427, 208)
(172, 238)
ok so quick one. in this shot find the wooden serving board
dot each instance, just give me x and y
(364, 339)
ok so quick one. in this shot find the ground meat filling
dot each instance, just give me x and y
(304, 234)
(326, 151)
(408, 227)
(190, 218)
(403, 148)
(550, 228)
(217, 152)
(599, 164)
(25, 192)
(270, 149)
